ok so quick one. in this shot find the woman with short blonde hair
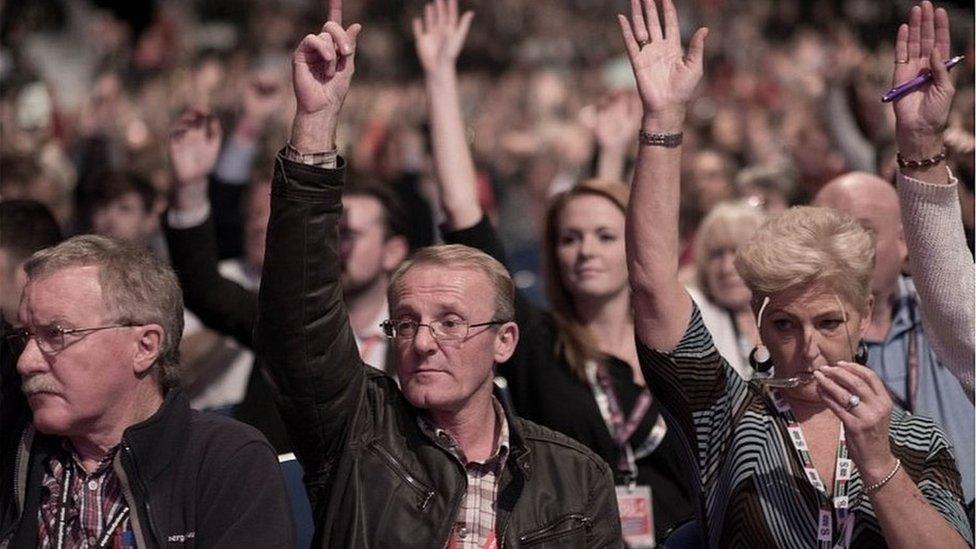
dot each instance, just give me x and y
(815, 456)
(805, 244)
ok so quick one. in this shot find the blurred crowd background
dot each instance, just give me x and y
(791, 99)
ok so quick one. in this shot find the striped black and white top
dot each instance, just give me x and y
(752, 488)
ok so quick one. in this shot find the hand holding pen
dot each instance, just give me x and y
(922, 112)
(917, 82)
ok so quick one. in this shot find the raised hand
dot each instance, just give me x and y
(194, 143)
(440, 36)
(615, 120)
(921, 116)
(322, 68)
(666, 77)
(439, 39)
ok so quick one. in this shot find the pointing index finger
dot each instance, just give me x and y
(335, 11)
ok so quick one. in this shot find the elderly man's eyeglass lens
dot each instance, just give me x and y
(51, 338)
(442, 330)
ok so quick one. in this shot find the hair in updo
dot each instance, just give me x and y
(804, 245)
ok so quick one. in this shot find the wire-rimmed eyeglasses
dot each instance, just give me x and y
(447, 329)
(51, 337)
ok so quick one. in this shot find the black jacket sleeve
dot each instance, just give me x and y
(221, 304)
(303, 333)
(228, 217)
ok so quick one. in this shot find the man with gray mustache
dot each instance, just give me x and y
(114, 456)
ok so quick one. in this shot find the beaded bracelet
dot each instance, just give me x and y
(924, 163)
(669, 140)
(877, 485)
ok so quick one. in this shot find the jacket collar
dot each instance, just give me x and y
(518, 451)
(154, 443)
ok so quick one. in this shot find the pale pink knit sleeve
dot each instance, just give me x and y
(943, 272)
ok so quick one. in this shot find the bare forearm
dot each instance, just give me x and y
(660, 301)
(315, 132)
(908, 520)
(456, 182)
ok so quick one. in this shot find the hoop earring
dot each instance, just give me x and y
(760, 359)
(861, 356)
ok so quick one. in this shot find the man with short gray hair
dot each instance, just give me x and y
(437, 461)
(114, 455)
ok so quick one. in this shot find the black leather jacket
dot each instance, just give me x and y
(374, 476)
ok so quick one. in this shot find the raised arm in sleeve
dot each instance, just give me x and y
(303, 332)
(943, 271)
(221, 304)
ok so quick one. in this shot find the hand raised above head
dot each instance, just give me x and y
(666, 77)
(921, 116)
(194, 143)
(322, 68)
(440, 36)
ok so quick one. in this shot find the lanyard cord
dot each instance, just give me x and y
(622, 428)
(113, 522)
(842, 476)
(912, 378)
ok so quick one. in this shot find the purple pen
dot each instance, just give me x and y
(917, 82)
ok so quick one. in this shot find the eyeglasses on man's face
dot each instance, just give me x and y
(52, 338)
(447, 329)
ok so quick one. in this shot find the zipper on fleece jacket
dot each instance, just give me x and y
(120, 470)
(21, 469)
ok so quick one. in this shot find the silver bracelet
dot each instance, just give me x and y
(669, 140)
(877, 485)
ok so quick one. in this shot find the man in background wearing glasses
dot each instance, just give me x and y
(114, 455)
(437, 462)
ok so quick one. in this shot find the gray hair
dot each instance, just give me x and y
(137, 288)
(457, 256)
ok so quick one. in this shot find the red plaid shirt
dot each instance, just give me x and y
(475, 524)
(95, 503)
